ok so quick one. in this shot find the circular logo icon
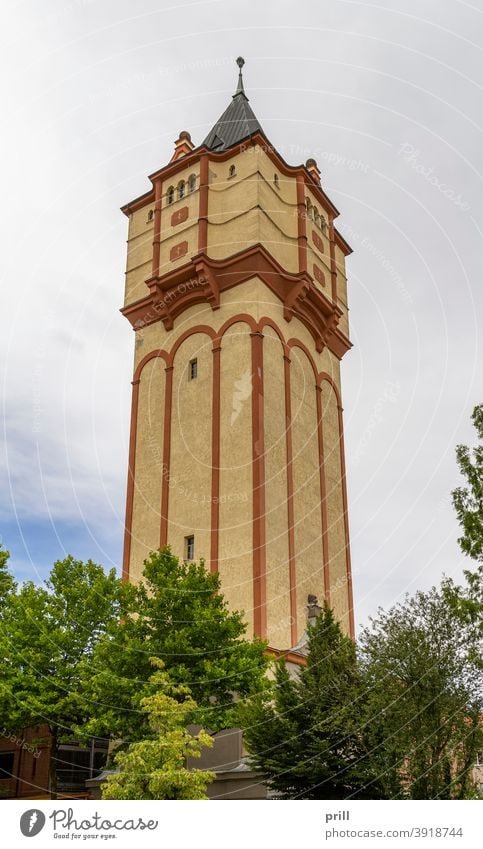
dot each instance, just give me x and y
(32, 822)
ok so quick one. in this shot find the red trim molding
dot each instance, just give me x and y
(179, 250)
(215, 457)
(203, 279)
(341, 243)
(319, 275)
(290, 656)
(318, 242)
(157, 227)
(333, 266)
(323, 376)
(179, 216)
(168, 403)
(302, 223)
(292, 571)
(346, 524)
(203, 210)
(323, 496)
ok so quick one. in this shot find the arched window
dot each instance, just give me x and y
(316, 217)
(170, 195)
(323, 223)
(191, 183)
(232, 171)
(276, 181)
(181, 189)
(308, 206)
(150, 215)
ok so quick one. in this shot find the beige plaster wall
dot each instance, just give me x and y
(172, 234)
(342, 290)
(278, 585)
(190, 463)
(247, 208)
(236, 507)
(335, 515)
(148, 465)
(139, 253)
(307, 511)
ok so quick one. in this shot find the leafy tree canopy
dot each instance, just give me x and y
(156, 768)
(305, 735)
(468, 503)
(45, 632)
(423, 697)
(7, 583)
(178, 615)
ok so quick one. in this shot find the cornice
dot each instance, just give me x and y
(203, 279)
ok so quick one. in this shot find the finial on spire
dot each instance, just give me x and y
(240, 90)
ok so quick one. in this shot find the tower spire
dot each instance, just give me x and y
(239, 89)
(237, 122)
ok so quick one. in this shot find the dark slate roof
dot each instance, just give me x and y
(237, 122)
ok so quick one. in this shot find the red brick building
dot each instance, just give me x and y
(25, 764)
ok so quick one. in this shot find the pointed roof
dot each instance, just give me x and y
(237, 122)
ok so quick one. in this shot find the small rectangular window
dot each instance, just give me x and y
(189, 548)
(6, 764)
(193, 369)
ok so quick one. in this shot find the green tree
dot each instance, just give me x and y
(305, 735)
(45, 632)
(423, 698)
(468, 504)
(7, 583)
(468, 501)
(177, 614)
(156, 768)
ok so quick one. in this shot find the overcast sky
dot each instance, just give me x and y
(386, 97)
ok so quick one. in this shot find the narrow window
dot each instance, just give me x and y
(316, 218)
(232, 171)
(150, 215)
(170, 195)
(181, 189)
(308, 206)
(191, 183)
(193, 369)
(276, 181)
(189, 548)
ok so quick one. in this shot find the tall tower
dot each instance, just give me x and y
(237, 292)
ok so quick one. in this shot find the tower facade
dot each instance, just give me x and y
(237, 292)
